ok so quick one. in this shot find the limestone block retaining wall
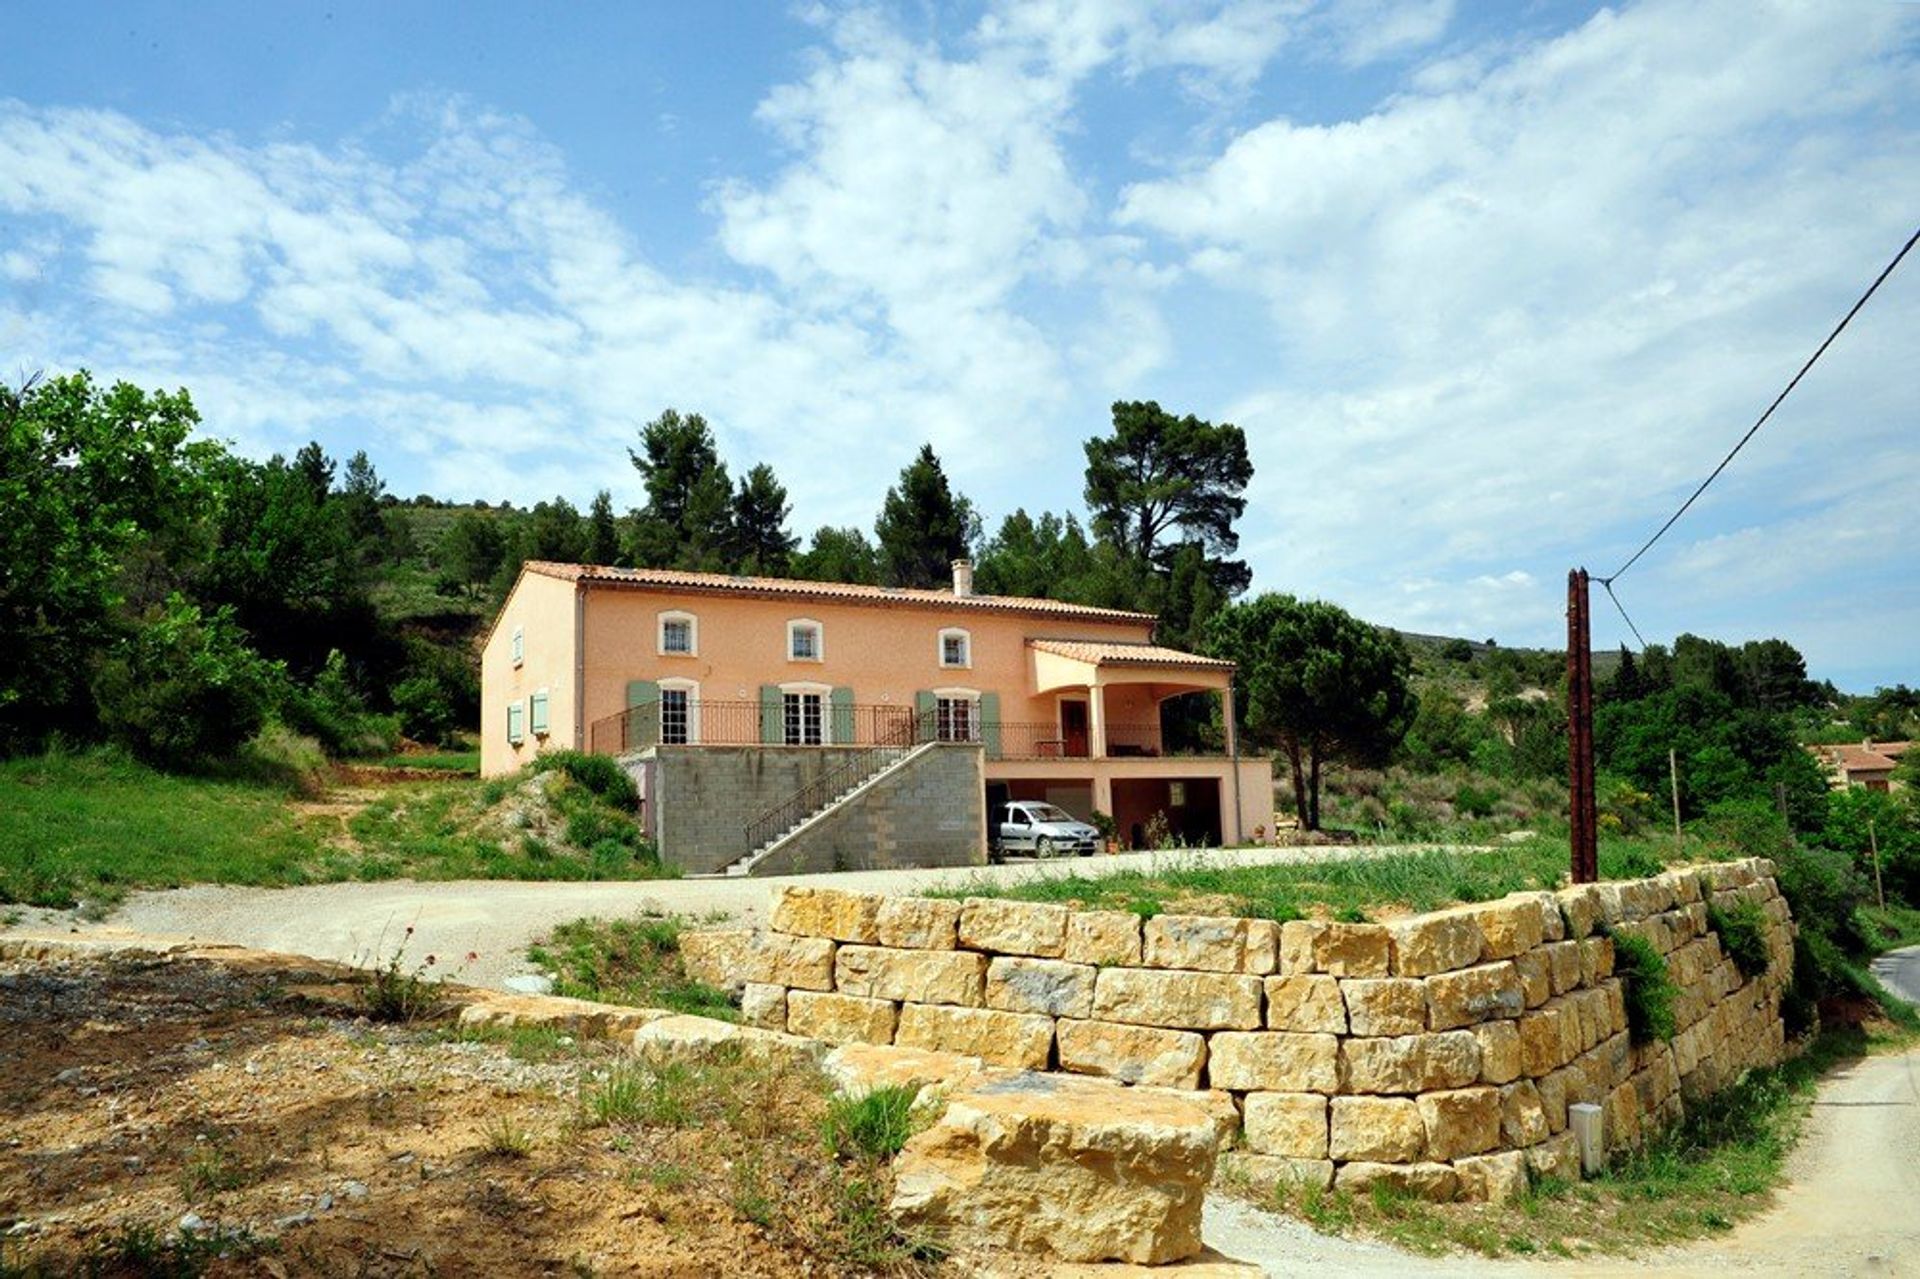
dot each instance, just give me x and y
(1440, 1052)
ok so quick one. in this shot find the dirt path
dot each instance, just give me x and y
(1852, 1207)
(497, 919)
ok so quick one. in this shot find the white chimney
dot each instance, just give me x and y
(963, 577)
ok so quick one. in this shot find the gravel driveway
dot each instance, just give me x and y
(496, 919)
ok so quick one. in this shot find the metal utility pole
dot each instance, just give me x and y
(1582, 813)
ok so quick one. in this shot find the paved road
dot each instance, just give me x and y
(1900, 970)
(497, 919)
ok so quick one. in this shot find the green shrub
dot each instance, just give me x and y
(331, 709)
(875, 1123)
(1475, 801)
(184, 688)
(1647, 987)
(1629, 861)
(1743, 935)
(600, 774)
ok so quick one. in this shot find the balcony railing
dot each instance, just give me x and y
(739, 723)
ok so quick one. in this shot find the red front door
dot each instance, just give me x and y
(1073, 728)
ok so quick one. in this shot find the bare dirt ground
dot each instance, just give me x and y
(147, 1101)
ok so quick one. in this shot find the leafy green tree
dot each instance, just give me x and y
(760, 543)
(603, 531)
(1317, 681)
(924, 526)
(361, 491)
(184, 687)
(470, 551)
(1774, 674)
(1160, 481)
(92, 484)
(315, 469)
(839, 555)
(687, 522)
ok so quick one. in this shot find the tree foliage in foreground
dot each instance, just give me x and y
(1317, 682)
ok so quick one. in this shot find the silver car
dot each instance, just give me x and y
(1044, 831)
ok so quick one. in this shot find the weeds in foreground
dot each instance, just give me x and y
(208, 1171)
(876, 1123)
(627, 961)
(506, 1139)
(141, 1249)
(390, 991)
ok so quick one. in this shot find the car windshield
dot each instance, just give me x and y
(1048, 813)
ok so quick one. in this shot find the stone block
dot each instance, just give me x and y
(1553, 1090)
(1461, 1121)
(1501, 1060)
(1475, 994)
(826, 912)
(1306, 1003)
(1180, 1000)
(1132, 1054)
(1339, 950)
(1557, 1157)
(1203, 943)
(1109, 938)
(687, 1038)
(1273, 1061)
(1553, 925)
(729, 958)
(840, 1019)
(1013, 928)
(1262, 953)
(1542, 1049)
(1004, 1039)
(911, 976)
(1596, 960)
(918, 923)
(1494, 1179)
(1536, 976)
(1379, 1006)
(1380, 1129)
(856, 1069)
(1563, 961)
(1070, 1170)
(1049, 986)
(1293, 1124)
(1510, 926)
(1580, 908)
(1269, 1172)
(1436, 1182)
(764, 1006)
(1436, 943)
(1523, 1117)
(1410, 1063)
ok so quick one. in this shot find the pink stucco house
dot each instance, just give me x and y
(718, 691)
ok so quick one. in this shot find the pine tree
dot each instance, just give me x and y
(761, 544)
(688, 519)
(923, 526)
(603, 531)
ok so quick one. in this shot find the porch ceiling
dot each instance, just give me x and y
(1061, 664)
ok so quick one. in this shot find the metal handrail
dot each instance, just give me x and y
(816, 794)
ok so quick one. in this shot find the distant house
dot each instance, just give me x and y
(777, 725)
(1869, 764)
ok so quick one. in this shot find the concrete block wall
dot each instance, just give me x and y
(1439, 1053)
(704, 796)
(930, 811)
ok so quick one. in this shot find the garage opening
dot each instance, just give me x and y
(1152, 812)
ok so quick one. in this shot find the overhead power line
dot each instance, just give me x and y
(1811, 361)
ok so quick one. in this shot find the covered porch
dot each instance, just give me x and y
(1106, 699)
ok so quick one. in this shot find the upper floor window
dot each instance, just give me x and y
(679, 635)
(806, 641)
(519, 645)
(956, 648)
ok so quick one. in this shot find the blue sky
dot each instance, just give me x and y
(1490, 286)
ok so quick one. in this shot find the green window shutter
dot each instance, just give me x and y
(642, 691)
(990, 723)
(773, 707)
(841, 700)
(514, 713)
(539, 712)
(924, 705)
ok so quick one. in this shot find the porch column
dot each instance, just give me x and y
(1102, 793)
(1097, 714)
(1226, 713)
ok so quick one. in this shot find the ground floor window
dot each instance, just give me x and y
(803, 721)
(957, 719)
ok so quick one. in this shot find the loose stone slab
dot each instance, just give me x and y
(912, 976)
(1132, 1054)
(1180, 1000)
(764, 1006)
(857, 1069)
(1005, 1039)
(826, 912)
(1049, 1166)
(1273, 1170)
(685, 1037)
(1048, 986)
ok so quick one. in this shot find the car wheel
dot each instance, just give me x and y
(1043, 848)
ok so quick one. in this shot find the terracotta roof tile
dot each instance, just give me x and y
(794, 588)
(1116, 654)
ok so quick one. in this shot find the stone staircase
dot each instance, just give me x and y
(877, 766)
